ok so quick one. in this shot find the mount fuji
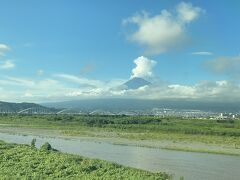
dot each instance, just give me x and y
(136, 83)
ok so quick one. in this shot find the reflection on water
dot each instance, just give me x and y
(196, 166)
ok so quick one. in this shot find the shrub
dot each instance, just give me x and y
(33, 142)
(46, 147)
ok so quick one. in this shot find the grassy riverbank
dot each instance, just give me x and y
(197, 135)
(28, 162)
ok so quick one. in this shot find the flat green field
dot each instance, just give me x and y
(200, 135)
(28, 162)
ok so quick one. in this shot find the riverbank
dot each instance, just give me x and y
(28, 162)
(110, 137)
(179, 164)
(195, 135)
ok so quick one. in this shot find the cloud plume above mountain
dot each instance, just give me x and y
(144, 67)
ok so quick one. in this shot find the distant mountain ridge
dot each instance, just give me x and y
(120, 104)
(16, 107)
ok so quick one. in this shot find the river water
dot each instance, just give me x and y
(191, 166)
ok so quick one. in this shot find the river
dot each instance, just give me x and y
(190, 165)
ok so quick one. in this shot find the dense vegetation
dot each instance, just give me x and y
(132, 123)
(28, 162)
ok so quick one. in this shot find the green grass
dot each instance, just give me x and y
(28, 162)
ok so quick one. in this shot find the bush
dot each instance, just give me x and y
(33, 142)
(46, 147)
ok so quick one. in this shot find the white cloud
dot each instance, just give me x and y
(210, 90)
(182, 90)
(20, 89)
(225, 65)
(40, 72)
(166, 30)
(143, 67)
(27, 94)
(86, 85)
(8, 64)
(20, 81)
(3, 49)
(62, 87)
(202, 53)
(187, 12)
(80, 81)
(28, 44)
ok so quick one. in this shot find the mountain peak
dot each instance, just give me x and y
(136, 83)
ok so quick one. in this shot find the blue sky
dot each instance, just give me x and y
(68, 46)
